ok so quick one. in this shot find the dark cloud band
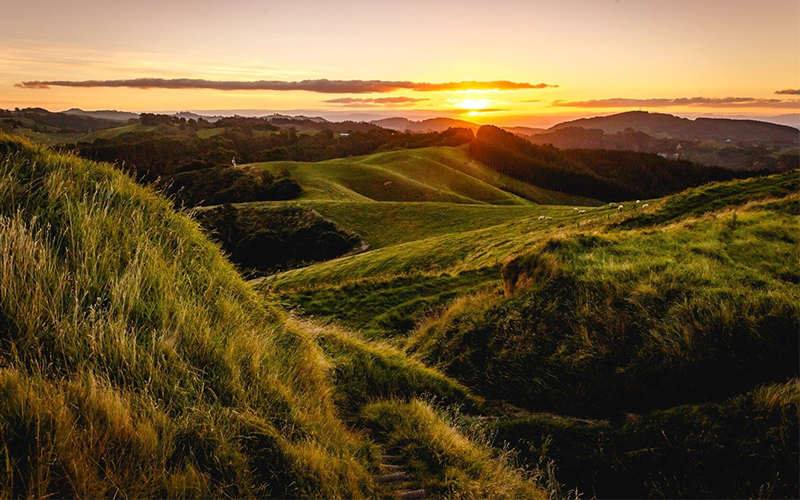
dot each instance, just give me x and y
(321, 86)
(788, 92)
(735, 102)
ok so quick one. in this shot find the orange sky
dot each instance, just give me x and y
(601, 56)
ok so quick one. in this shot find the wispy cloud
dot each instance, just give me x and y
(321, 86)
(788, 92)
(374, 101)
(713, 102)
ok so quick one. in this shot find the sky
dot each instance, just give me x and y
(509, 62)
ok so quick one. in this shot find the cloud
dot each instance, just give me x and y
(788, 92)
(723, 102)
(321, 86)
(369, 102)
(32, 85)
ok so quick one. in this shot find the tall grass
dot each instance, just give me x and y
(136, 362)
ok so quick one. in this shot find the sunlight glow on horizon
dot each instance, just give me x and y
(648, 52)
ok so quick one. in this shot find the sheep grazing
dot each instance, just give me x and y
(541, 217)
(575, 208)
(638, 201)
(581, 211)
(619, 207)
(548, 218)
(645, 205)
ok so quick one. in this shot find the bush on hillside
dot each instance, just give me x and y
(266, 239)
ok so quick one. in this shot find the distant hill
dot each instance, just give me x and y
(104, 114)
(317, 119)
(789, 119)
(429, 125)
(42, 121)
(524, 130)
(662, 125)
(766, 147)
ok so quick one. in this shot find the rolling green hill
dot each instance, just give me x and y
(436, 174)
(136, 362)
(653, 348)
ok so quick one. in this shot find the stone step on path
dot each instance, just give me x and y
(396, 482)
(412, 494)
(395, 477)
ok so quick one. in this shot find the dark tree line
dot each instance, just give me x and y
(225, 184)
(596, 173)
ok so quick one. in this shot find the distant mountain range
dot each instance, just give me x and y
(665, 126)
(740, 144)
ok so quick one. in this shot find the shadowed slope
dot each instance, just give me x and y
(135, 361)
(438, 174)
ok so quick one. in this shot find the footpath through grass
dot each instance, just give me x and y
(136, 362)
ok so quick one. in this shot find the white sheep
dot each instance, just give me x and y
(581, 211)
(638, 201)
(548, 218)
(619, 207)
(541, 217)
(645, 205)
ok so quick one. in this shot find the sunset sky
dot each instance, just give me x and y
(524, 62)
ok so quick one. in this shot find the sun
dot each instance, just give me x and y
(473, 104)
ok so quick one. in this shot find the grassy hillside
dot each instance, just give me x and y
(596, 323)
(654, 348)
(390, 223)
(137, 363)
(436, 174)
